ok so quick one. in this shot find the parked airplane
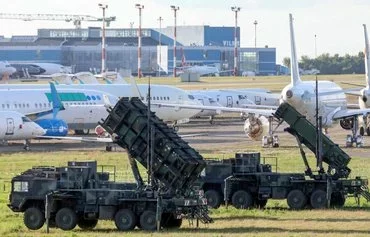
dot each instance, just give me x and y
(16, 126)
(29, 69)
(160, 95)
(6, 69)
(364, 94)
(234, 99)
(301, 95)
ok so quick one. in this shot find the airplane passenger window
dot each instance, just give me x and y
(88, 97)
(28, 105)
(15, 105)
(98, 97)
(35, 105)
(168, 98)
(40, 105)
(20, 105)
(3, 106)
(24, 105)
(157, 97)
(45, 105)
(93, 97)
(191, 97)
(7, 105)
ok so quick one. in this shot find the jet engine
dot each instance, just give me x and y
(256, 127)
(101, 132)
(53, 127)
(347, 123)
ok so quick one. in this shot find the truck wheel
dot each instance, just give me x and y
(66, 219)
(337, 200)
(318, 199)
(260, 203)
(125, 219)
(148, 220)
(242, 199)
(33, 218)
(296, 199)
(213, 198)
(362, 131)
(87, 224)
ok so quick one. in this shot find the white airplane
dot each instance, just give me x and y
(301, 95)
(6, 69)
(160, 95)
(234, 99)
(16, 126)
(364, 94)
(28, 69)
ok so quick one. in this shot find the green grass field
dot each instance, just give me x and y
(275, 220)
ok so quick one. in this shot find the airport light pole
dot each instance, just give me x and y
(140, 7)
(103, 53)
(160, 19)
(255, 33)
(175, 9)
(235, 10)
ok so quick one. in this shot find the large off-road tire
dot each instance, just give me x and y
(66, 219)
(87, 224)
(125, 219)
(33, 218)
(318, 199)
(213, 198)
(242, 200)
(296, 199)
(148, 220)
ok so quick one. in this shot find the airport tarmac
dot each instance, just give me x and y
(225, 136)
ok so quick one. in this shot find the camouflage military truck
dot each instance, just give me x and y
(80, 194)
(244, 182)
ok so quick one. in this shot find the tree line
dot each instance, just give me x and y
(327, 64)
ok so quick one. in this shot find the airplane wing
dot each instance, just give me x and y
(260, 106)
(352, 84)
(346, 91)
(82, 139)
(350, 113)
(219, 109)
(107, 139)
(353, 93)
(244, 91)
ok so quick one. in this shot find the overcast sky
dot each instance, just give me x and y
(337, 23)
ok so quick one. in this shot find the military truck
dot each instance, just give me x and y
(244, 182)
(81, 194)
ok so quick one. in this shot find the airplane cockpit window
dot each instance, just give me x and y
(191, 97)
(26, 119)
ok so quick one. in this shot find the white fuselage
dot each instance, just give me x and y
(201, 70)
(159, 94)
(236, 99)
(302, 98)
(15, 126)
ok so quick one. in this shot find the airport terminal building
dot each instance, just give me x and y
(81, 49)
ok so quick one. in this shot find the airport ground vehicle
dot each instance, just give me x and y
(78, 194)
(244, 182)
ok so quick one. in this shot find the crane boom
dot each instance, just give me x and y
(76, 19)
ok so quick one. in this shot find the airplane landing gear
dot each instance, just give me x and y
(26, 145)
(271, 139)
(365, 127)
(175, 127)
(355, 138)
(211, 121)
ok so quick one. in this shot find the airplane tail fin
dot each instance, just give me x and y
(294, 74)
(57, 102)
(367, 59)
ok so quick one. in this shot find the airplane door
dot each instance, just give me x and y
(229, 101)
(9, 126)
(257, 100)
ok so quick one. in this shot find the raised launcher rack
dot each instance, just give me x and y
(305, 131)
(174, 163)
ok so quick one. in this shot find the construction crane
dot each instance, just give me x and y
(76, 19)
